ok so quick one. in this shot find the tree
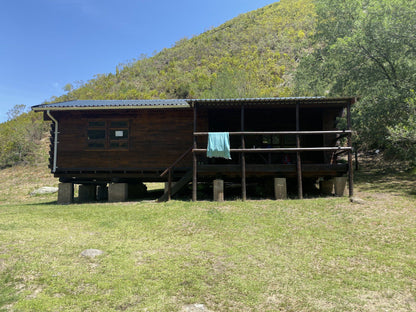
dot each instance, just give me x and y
(365, 48)
(403, 135)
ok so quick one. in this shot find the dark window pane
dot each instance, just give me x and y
(119, 134)
(119, 145)
(96, 144)
(119, 124)
(276, 140)
(96, 124)
(96, 134)
(290, 140)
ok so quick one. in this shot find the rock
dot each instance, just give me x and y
(357, 200)
(91, 253)
(197, 307)
(44, 190)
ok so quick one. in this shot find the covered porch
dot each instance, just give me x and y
(276, 137)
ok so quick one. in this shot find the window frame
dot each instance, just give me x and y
(109, 127)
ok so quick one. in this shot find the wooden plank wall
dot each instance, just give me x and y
(157, 138)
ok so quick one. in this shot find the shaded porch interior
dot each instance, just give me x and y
(298, 141)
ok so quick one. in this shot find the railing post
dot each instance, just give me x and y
(298, 160)
(243, 159)
(195, 167)
(350, 168)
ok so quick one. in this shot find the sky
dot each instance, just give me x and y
(46, 44)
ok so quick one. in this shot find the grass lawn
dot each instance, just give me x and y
(320, 254)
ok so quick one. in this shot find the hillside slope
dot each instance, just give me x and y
(254, 54)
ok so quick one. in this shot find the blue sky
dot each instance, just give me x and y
(45, 44)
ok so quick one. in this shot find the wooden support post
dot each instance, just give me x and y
(195, 167)
(298, 159)
(356, 160)
(350, 167)
(243, 159)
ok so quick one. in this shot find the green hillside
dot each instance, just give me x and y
(363, 48)
(254, 54)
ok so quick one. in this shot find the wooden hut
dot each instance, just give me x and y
(110, 142)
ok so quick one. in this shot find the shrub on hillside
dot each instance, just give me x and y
(20, 137)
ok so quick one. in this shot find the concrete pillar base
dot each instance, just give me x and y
(280, 188)
(340, 183)
(219, 190)
(87, 192)
(117, 192)
(65, 193)
(137, 190)
(102, 192)
(326, 187)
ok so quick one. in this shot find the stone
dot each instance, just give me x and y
(197, 307)
(92, 253)
(357, 200)
(44, 190)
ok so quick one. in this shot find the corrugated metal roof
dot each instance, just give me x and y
(111, 104)
(267, 99)
(318, 100)
(180, 103)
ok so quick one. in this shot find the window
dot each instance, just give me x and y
(110, 135)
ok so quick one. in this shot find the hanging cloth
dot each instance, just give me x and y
(219, 145)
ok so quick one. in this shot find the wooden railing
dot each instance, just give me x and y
(170, 169)
(298, 149)
(281, 149)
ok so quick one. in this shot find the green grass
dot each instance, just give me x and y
(323, 254)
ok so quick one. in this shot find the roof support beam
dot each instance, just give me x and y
(195, 164)
(243, 158)
(298, 159)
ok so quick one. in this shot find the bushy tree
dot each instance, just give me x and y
(402, 136)
(365, 48)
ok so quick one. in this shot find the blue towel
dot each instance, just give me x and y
(218, 145)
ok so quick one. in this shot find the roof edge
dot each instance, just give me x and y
(182, 103)
(77, 108)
